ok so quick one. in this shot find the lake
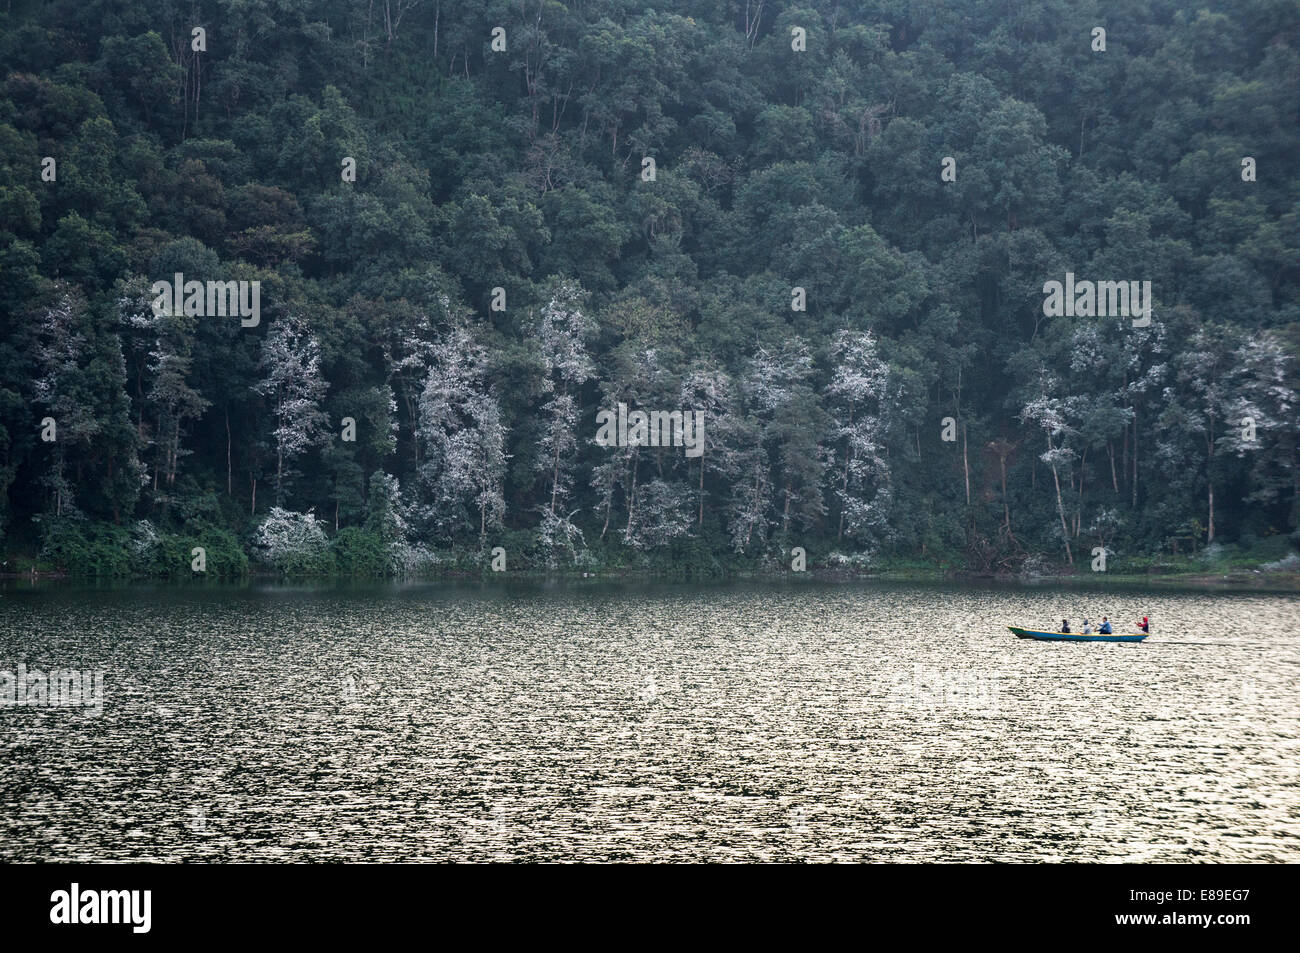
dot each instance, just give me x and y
(856, 721)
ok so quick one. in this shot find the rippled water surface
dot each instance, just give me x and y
(771, 721)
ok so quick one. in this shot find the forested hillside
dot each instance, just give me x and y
(474, 226)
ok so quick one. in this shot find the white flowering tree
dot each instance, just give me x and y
(855, 398)
(386, 518)
(559, 337)
(293, 382)
(1047, 412)
(463, 439)
(638, 376)
(408, 352)
(59, 390)
(292, 542)
(779, 441)
(661, 516)
(711, 390)
(1263, 396)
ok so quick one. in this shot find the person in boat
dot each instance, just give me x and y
(1144, 625)
(1105, 628)
(1087, 627)
(1065, 626)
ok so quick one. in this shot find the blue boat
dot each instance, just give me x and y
(1074, 636)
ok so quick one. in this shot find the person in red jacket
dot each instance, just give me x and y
(1144, 625)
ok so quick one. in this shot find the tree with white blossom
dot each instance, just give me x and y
(59, 390)
(782, 452)
(856, 399)
(558, 337)
(709, 389)
(662, 515)
(462, 437)
(1047, 412)
(292, 541)
(296, 387)
(1263, 396)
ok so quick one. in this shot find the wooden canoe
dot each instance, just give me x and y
(1075, 636)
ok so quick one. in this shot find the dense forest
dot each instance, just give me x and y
(825, 229)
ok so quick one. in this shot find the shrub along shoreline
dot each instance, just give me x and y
(296, 546)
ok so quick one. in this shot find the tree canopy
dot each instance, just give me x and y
(475, 226)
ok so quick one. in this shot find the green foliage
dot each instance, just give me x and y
(82, 549)
(775, 169)
(359, 552)
(173, 555)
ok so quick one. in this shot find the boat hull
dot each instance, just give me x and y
(1074, 636)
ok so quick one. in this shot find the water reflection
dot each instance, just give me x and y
(639, 722)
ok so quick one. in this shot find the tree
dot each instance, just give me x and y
(60, 389)
(292, 542)
(711, 391)
(559, 336)
(1261, 416)
(662, 515)
(1204, 372)
(463, 438)
(1046, 412)
(857, 393)
(293, 381)
(170, 397)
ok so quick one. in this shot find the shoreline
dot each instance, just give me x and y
(1249, 580)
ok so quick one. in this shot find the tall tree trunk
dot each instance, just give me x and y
(1135, 457)
(1060, 508)
(1006, 509)
(785, 516)
(555, 478)
(1209, 477)
(58, 486)
(1209, 538)
(848, 459)
(229, 485)
(412, 414)
(965, 465)
(1124, 454)
(631, 498)
(701, 492)
(844, 495)
(1078, 513)
(758, 487)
